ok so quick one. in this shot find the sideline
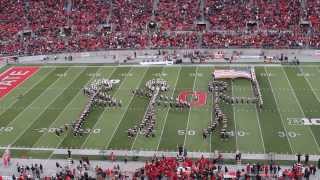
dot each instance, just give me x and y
(173, 66)
(134, 153)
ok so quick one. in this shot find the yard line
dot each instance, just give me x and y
(29, 106)
(181, 65)
(5, 71)
(31, 123)
(284, 127)
(20, 84)
(115, 130)
(18, 88)
(165, 120)
(135, 138)
(138, 132)
(258, 119)
(313, 90)
(194, 83)
(66, 134)
(295, 96)
(94, 126)
(212, 115)
(65, 109)
(40, 107)
(315, 94)
(234, 119)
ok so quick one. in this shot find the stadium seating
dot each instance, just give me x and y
(169, 168)
(179, 40)
(203, 168)
(227, 15)
(131, 16)
(87, 15)
(53, 26)
(258, 40)
(313, 12)
(12, 19)
(178, 15)
(271, 15)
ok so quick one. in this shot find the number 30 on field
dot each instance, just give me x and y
(290, 134)
(6, 129)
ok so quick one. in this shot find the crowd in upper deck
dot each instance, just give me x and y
(29, 27)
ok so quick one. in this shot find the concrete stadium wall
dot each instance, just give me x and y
(118, 56)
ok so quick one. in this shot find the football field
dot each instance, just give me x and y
(53, 97)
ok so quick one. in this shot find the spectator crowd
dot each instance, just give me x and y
(32, 27)
(169, 168)
(203, 168)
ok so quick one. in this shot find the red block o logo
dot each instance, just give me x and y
(200, 100)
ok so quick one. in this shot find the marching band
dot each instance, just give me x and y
(98, 91)
(152, 90)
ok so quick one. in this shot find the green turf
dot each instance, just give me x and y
(307, 99)
(29, 97)
(30, 137)
(52, 97)
(227, 145)
(76, 142)
(141, 142)
(313, 81)
(249, 137)
(3, 68)
(111, 117)
(22, 92)
(133, 116)
(33, 111)
(25, 154)
(270, 118)
(200, 117)
(68, 115)
(177, 119)
(300, 137)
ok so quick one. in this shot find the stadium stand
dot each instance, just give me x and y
(210, 169)
(227, 15)
(43, 27)
(178, 15)
(313, 12)
(178, 40)
(167, 168)
(131, 16)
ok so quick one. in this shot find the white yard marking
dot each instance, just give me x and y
(66, 108)
(177, 65)
(53, 100)
(165, 120)
(212, 111)
(278, 108)
(35, 100)
(100, 117)
(234, 119)
(123, 115)
(261, 136)
(136, 137)
(301, 110)
(194, 84)
(313, 90)
(66, 134)
(98, 152)
(311, 110)
(18, 88)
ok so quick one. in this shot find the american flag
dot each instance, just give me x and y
(231, 74)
